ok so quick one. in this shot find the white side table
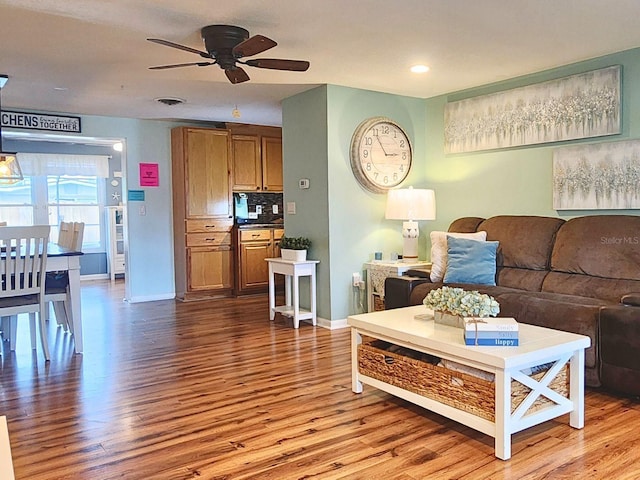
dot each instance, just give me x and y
(379, 270)
(292, 270)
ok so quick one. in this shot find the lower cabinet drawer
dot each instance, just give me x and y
(257, 234)
(209, 225)
(208, 239)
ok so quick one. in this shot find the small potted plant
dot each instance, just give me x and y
(294, 248)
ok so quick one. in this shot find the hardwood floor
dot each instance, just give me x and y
(168, 390)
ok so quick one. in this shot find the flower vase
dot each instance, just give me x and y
(446, 318)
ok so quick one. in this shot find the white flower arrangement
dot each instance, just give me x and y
(462, 303)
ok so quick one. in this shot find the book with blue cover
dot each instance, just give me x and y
(492, 342)
(487, 334)
(491, 324)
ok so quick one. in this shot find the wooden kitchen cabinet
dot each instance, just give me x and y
(256, 155)
(272, 164)
(202, 213)
(254, 246)
(247, 164)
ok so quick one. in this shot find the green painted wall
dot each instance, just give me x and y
(519, 180)
(347, 222)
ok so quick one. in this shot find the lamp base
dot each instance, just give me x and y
(410, 234)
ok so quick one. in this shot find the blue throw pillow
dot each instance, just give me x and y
(471, 261)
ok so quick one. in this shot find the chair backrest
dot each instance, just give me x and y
(70, 235)
(23, 260)
(78, 234)
(65, 234)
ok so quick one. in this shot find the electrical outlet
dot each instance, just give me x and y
(259, 209)
(356, 279)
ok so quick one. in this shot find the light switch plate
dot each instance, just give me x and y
(291, 208)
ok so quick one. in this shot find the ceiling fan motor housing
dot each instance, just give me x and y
(219, 41)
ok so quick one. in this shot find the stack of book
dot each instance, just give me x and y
(495, 332)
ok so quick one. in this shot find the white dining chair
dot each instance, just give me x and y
(57, 283)
(23, 263)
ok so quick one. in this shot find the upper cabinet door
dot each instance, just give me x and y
(247, 167)
(207, 182)
(272, 164)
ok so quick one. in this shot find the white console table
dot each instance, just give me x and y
(292, 270)
(379, 270)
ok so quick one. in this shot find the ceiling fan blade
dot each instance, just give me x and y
(236, 75)
(177, 65)
(252, 46)
(167, 43)
(279, 64)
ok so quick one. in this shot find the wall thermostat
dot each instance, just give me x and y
(303, 183)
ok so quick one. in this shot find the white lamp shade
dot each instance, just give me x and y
(411, 204)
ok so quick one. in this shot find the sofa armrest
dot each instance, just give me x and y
(419, 272)
(619, 332)
(397, 290)
(632, 299)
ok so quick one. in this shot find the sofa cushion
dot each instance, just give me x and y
(466, 224)
(609, 289)
(525, 241)
(606, 246)
(439, 250)
(419, 291)
(569, 313)
(470, 261)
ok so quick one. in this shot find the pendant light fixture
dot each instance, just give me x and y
(10, 171)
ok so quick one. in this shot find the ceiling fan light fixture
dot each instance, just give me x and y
(170, 101)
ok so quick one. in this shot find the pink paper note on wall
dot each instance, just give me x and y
(149, 176)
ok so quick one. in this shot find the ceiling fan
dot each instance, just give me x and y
(226, 45)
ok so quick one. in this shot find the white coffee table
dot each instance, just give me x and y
(537, 346)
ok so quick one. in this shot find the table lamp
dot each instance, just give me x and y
(410, 204)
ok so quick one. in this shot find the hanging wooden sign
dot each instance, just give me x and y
(40, 121)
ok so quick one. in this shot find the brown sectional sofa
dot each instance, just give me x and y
(580, 275)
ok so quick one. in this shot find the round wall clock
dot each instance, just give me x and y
(380, 154)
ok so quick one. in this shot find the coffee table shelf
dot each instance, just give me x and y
(537, 346)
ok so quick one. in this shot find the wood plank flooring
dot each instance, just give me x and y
(214, 390)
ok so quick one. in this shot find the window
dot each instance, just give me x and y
(58, 188)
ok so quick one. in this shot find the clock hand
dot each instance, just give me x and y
(383, 149)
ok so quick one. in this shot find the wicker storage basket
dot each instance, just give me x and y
(459, 390)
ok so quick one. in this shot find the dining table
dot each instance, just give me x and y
(61, 259)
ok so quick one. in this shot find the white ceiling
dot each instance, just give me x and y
(96, 50)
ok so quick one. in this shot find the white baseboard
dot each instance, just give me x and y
(332, 324)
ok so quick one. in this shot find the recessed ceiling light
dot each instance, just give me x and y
(419, 69)
(61, 89)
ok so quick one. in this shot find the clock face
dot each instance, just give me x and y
(380, 154)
